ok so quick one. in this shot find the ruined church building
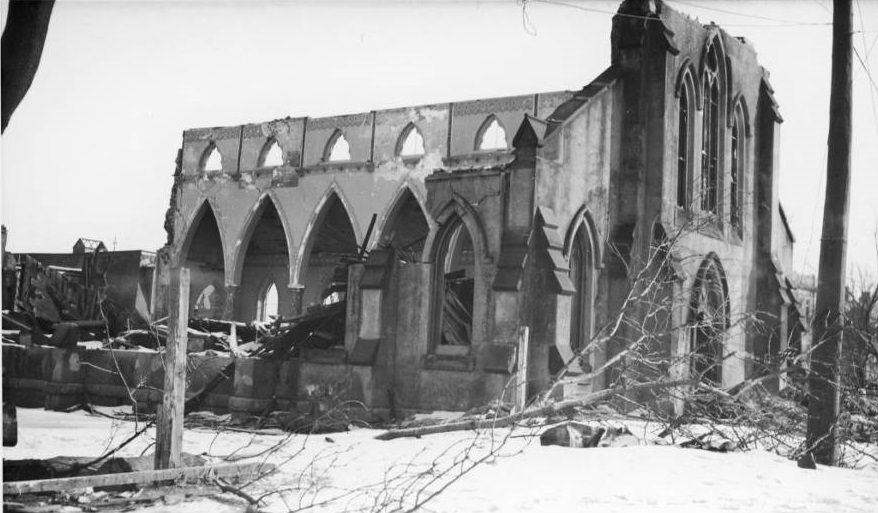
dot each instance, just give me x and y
(500, 214)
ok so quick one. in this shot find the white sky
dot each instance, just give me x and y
(90, 151)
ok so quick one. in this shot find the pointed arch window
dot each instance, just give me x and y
(411, 143)
(710, 164)
(212, 159)
(736, 189)
(492, 136)
(582, 276)
(710, 320)
(272, 155)
(269, 305)
(337, 149)
(684, 138)
(455, 287)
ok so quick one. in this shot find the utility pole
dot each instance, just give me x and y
(169, 417)
(823, 402)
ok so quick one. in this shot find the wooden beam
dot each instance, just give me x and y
(226, 470)
(169, 418)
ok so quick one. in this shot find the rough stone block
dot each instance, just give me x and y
(365, 351)
(498, 358)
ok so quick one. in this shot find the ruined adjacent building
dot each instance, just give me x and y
(504, 220)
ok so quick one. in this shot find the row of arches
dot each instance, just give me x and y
(702, 171)
(491, 136)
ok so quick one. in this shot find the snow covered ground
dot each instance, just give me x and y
(354, 472)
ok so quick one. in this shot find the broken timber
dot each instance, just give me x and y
(227, 470)
(474, 424)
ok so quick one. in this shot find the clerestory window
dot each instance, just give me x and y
(272, 155)
(492, 136)
(337, 149)
(212, 160)
(683, 136)
(736, 189)
(710, 136)
(411, 143)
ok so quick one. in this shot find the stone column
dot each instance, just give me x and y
(297, 292)
(229, 306)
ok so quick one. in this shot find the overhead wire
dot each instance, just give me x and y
(864, 62)
(780, 22)
(754, 16)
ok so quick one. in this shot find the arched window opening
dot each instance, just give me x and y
(334, 246)
(212, 160)
(492, 136)
(338, 149)
(455, 286)
(683, 149)
(272, 155)
(411, 142)
(736, 189)
(408, 231)
(269, 305)
(582, 275)
(709, 319)
(204, 258)
(711, 133)
(266, 263)
(206, 302)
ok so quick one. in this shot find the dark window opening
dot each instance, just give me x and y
(683, 150)
(206, 265)
(710, 324)
(711, 134)
(407, 234)
(456, 284)
(734, 205)
(334, 247)
(581, 274)
(266, 263)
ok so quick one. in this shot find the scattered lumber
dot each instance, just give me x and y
(542, 411)
(209, 472)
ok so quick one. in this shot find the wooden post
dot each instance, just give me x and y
(169, 422)
(823, 403)
(522, 374)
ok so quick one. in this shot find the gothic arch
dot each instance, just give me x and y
(337, 137)
(254, 215)
(458, 206)
(410, 130)
(709, 318)
(208, 155)
(687, 76)
(203, 252)
(204, 205)
(263, 297)
(740, 102)
(581, 252)
(714, 42)
(584, 218)
(389, 217)
(313, 226)
(265, 152)
(490, 121)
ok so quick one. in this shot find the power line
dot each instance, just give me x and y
(866, 68)
(782, 23)
(865, 64)
(754, 16)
